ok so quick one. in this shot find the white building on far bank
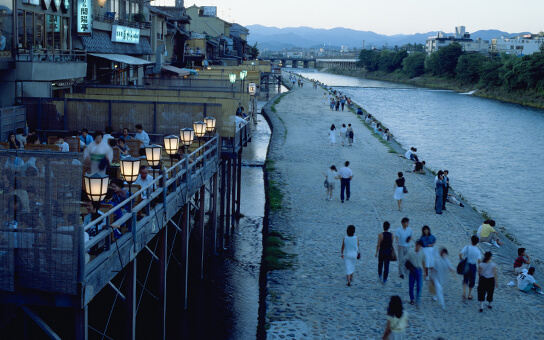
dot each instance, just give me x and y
(461, 37)
(520, 45)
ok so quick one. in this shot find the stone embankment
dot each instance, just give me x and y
(311, 299)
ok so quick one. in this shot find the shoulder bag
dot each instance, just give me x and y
(404, 190)
(394, 257)
(462, 267)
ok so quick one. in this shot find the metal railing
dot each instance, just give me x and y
(50, 55)
(113, 18)
(242, 135)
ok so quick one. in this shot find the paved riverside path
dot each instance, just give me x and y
(311, 299)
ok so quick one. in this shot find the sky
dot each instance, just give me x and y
(384, 16)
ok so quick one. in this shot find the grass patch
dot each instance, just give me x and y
(273, 241)
(269, 164)
(275, 196)
(277, 101)
(485, 215)
(274, 257)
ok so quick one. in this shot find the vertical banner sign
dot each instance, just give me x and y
(84, 17)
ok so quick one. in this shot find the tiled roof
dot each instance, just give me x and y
(100, 42)
(177, 13)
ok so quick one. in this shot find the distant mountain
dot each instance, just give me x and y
(274, 38)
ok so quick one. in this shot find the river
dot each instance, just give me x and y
(492, 149)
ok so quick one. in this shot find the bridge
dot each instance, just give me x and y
(343, 63)
(347, 64)
(50, 266)
(294, 61)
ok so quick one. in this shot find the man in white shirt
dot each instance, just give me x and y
(473, 256)
(19, 136)
(64, 147)
(403, 235)
(142, 135)
(345, 175)
(107, 135)
(526, 281)
(143, 180)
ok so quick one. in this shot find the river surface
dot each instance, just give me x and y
(492, 149)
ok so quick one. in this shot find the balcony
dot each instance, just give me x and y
(47, 65)
(113, 18)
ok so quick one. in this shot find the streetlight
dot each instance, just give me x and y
(232, 78)
(187, 135)
(153, 155)
(243, 75)
(200, 130)
(130, 169)
(210, 124)
(171, 145)
(252, 89)
(96, 186)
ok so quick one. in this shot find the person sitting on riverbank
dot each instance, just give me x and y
(488, 234)
(454, 200)
(359, 111)
(418, 167)
(386, 135)
(522, 261)
(411, 155)
(368, 119)
(526, 281)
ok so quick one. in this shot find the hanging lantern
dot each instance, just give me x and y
(96, 186)
(200, 129)
(210, 124)
(243, 74)
(232, 78)
(171, 144)
(153, 154)
(130, 168)
(187, 135)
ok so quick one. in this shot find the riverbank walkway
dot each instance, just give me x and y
(311, 299)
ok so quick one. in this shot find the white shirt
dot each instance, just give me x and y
(525, 279)
(143, 136)
(143, 183)
(345, 172)
(472, 254)
(343, 131)
(107, 136)
(408, 154)
(403, 235)
(331, 176)
(64, 147)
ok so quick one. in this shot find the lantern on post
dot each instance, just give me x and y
(187, 136)
(171, 145)
(232, 78)
(130, 169)
(153, 155)
(210, 124)
(243, 75)
(96, 186)
(200, 130)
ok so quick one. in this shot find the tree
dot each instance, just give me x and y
(253, 51)
(443, 62)
(368, 59)
(386, 61)
(398, 58)
(469, 67)
(489, 73)
(414, 64)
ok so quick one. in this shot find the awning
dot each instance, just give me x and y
(191, 71)
(121, 58)
(180, 72)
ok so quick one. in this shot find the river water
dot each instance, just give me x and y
(493, 150)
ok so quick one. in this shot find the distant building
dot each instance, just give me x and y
(461, 37)
(521, 45)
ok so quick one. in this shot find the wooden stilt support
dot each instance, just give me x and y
(228, 195)
(213, 214)
(222, 206)
(202, 199)
(239, 184)
(82, 323)
(184, 259)
(163, 269)
(130, 302)
(233, 192)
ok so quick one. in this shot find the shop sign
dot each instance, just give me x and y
(53, 23)
(66, 5)
(31, 2)
(57, 4)
(125, 34)
(84, 17)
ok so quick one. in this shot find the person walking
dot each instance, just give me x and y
(384, 251)
(349, 252)
(397, 320)
(428, 241)
(417, 259)
(343, 102)
(332, 103)
(332, 134)
(346, 175)
(473, 256)
(403, 235)
(439, 277)
(446, 189)
(439, 192)
(330, 177)
(488, 280)
(399, 190)
(343, 133)
(337, 104)
(350, 135)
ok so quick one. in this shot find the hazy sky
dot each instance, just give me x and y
(384, 16)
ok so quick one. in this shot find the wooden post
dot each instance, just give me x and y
(233, 192)
(239, 184)
(213, 212)
(184, 252)
(228, 195)
(222, 205)
(130, 303)
(201, 216)
(163, 269)
(82, 323)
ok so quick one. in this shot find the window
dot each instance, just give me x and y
(6, 29)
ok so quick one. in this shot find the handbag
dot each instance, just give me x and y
(326, 184)
(358, 256)
(462, 267)
(393, 255)
(404, 190)
(409, 265)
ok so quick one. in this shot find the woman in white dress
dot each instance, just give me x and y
(330, 176)
(397, 320)
(428, 241)
(98, 154)
(343, 131)
(349, 251)
(332, 134)
(399, 189)
(325, 98)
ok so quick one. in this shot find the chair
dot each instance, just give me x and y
(112, 142)
(134, 145)
(4, 145)
(42, 147)
(73, 143)
(52, 139)
(116, 155)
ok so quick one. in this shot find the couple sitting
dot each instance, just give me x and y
(488, 234)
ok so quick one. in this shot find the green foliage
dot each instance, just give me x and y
(253, 51)
(489, 73)
(443, 62)
(368, 60)
(469, 67)
(414, 64)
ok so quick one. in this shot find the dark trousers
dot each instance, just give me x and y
(470, 278)
(344, 185)
(486, 286)
(384, 257)
(444, 197)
